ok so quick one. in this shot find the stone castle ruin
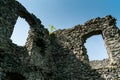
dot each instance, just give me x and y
(59, 56)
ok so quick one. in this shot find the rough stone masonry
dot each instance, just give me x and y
(57, 56)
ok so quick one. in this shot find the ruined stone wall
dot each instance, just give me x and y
(31, 60)
(73, 40)
(57, 56)
(77, 37)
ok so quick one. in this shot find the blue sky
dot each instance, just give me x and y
(67, 14)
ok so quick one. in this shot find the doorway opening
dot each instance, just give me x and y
(95, 48)
(20, 32)
(14, 76)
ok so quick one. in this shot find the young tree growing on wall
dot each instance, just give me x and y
(52, 28)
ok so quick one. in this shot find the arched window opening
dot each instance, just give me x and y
(96, 49)
(20, 32)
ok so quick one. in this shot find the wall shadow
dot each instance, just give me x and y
(68, 66)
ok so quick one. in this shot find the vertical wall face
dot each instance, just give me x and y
(77, 37)
(15, 58)
(8, 18)
(112, 39)
(73, 49)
